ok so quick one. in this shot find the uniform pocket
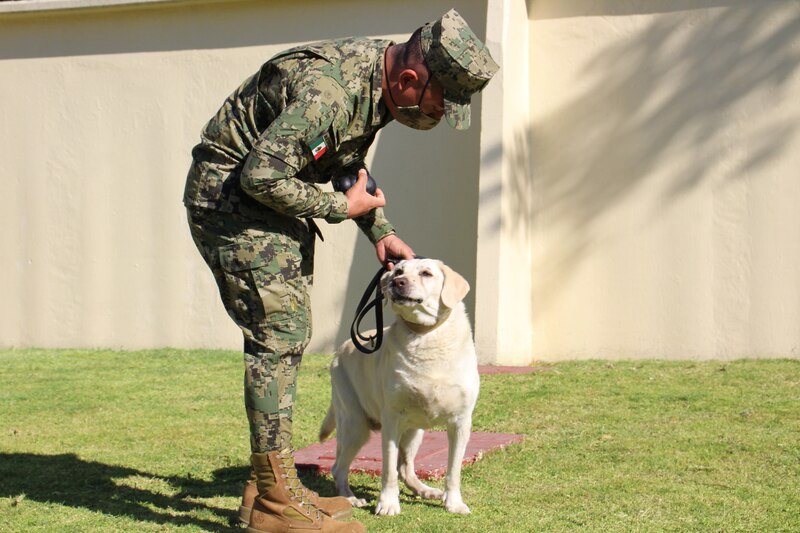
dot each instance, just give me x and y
(239, 287)
(284, 295)
(265, 285)
(245, 255)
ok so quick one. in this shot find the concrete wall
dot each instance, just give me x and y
(504, 305)
(100, 110)
(665, 148)
(628, 188)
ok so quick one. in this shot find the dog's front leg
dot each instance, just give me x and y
(458, 432)
(389, 500)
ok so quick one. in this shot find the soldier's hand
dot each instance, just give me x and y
(359, 201)
(392, 246)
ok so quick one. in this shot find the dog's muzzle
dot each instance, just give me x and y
(401, 291)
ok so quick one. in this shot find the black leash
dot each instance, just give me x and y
(364, 307)
(366, 304)
(342, 184)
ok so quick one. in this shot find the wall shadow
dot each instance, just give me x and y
(431, 200)
(430, 179)
(678, 89)
(200, 26)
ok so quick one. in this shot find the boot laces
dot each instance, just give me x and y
(299, 493)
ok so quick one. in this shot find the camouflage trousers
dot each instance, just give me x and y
(263, 270)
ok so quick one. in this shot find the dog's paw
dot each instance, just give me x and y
(387, 506)
(455, 505)
(357, 502)
(430, 493)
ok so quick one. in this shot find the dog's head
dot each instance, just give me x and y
(422, 291)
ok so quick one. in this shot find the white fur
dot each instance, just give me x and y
(417, 379)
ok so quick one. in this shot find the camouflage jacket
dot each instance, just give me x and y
(308, 115)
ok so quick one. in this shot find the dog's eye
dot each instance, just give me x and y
(398, 271)
(426, 273)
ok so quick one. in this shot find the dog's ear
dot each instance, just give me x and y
(384, 283)
(455, 286)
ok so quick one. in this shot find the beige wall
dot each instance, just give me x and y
(665, 149)
(628, 188)
(100, 110)
(503, 312)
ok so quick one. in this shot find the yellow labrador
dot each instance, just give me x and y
(425, 374)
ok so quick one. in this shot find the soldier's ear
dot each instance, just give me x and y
(407, 78)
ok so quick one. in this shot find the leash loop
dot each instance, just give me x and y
(363, 308)
(369, 343)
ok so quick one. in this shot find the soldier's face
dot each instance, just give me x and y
(433, 100)
(420, 102)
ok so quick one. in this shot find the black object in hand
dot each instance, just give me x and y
(344, 182)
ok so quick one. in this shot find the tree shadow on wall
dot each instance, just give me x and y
(675, 92)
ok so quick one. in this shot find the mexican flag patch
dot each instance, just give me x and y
(318, 148)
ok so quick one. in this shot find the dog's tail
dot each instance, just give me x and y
(328, 425)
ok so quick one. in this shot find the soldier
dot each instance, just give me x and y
(308, 116)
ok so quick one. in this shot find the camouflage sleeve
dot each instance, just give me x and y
(319, 114)
(375, 225)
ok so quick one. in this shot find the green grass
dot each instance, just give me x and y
(157, 441)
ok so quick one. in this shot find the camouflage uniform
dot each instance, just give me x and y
(308, 115)
(251, 194)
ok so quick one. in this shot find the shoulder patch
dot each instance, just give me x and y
(320, 146)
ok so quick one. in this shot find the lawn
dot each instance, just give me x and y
(157, 441)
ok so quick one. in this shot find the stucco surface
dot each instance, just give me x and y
(98, 124)
(664, 146)
(628, 188)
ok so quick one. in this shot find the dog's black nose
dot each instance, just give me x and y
(399, 282)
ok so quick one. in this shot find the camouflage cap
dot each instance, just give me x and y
(459, 61)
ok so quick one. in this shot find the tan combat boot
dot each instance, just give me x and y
(337, 507)
(283, 504)
(249, 495)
